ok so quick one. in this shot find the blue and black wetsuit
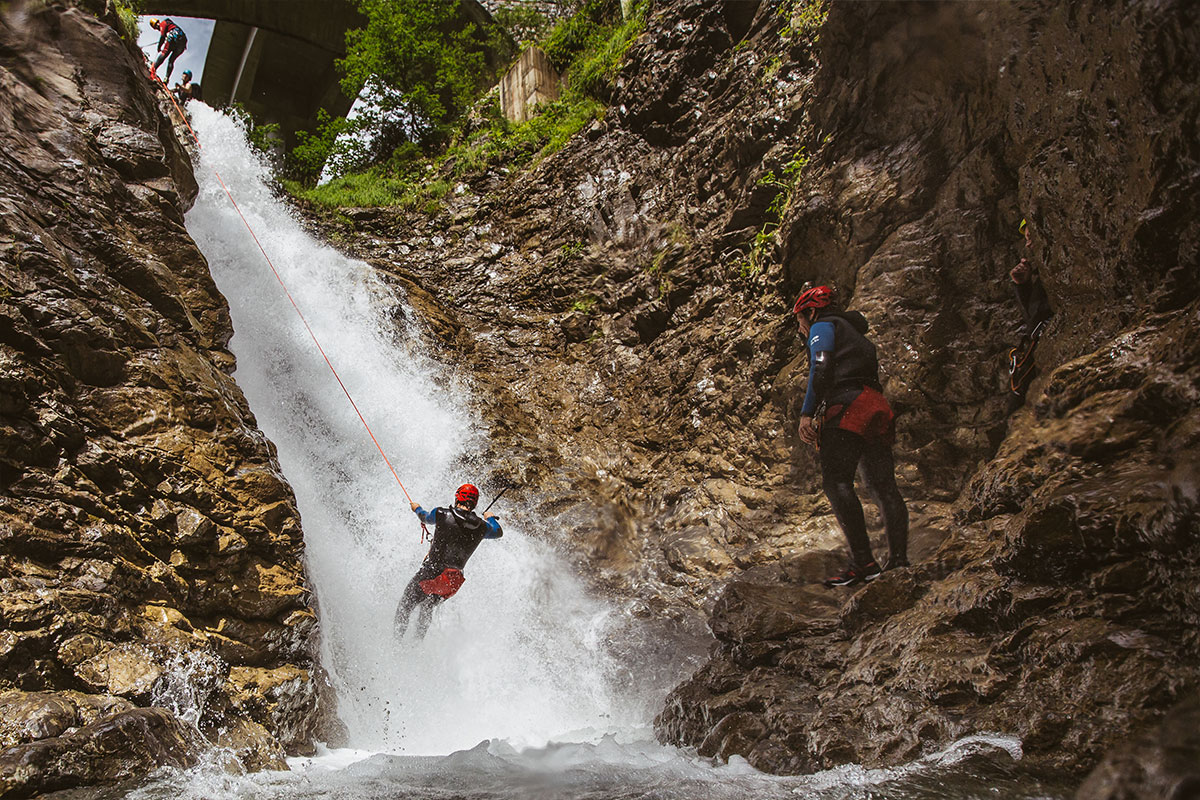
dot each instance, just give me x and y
(456, 535)
(857, 428)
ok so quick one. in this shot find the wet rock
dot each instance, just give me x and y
(135, 488)
(127, 670)
(128, 744)
(135, 153)
(757, 612)
(277, 699)
(32, 716)
(26, 716)
(252, 745)
(1163, 762)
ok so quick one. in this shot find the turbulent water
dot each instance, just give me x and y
(525, 687)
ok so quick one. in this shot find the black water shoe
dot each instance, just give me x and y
(854, 574)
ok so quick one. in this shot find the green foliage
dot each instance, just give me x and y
(523, 22)
(593, 52)
(595, 69)
(594, 49)
(572, 250)
(786, 181)
(590, 47)
(584, 304)
(572, 36)
(805, 18)
(127, 13)
(376, 187)
(521, 144)
(362, 189)
(313, 150)
(771, 69)
(427, 63)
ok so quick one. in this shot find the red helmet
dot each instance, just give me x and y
(816, 297)
(467, 494)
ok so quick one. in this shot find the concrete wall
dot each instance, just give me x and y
(530, 81)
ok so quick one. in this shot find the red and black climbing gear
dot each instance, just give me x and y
(445, 585)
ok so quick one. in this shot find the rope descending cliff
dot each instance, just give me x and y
(162, 87)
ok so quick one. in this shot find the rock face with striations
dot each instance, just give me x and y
(151, 585)
(623, 306)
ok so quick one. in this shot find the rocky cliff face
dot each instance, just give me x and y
(151, 583)
(624, 308)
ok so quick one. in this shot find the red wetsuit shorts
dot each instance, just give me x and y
(444, 585)
(868, 415)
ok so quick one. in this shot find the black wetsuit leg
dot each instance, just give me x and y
(840, 453)
(412, 597)
(177, 49)
(425, 613)
(879, 475)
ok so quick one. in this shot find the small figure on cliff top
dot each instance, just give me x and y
(1035, 305)
(457, 532)
(172, 41)
(846, 417)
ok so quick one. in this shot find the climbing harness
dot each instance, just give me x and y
(445, 585)
(1020, 363)
(299, 313)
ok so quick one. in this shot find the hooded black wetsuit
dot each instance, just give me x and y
(456, 535)
(857, 430)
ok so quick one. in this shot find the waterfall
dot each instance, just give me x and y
(521, 653)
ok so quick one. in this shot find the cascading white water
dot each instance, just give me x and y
(519, 653)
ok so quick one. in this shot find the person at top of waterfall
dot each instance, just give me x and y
(1035, 306)
(186, 90)
(457, 532)
(172, 41)
(846, 417)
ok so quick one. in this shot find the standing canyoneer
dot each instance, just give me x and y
(846, 417)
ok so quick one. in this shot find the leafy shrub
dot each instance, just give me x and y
(525, 23)
(427, 62)
(313, 150)
(127, 13)
(572, 36)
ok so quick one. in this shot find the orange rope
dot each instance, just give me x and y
(313, 335)
(278, 277)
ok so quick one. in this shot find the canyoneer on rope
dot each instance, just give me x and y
(172, 41)
(457, 533)
(459, 524)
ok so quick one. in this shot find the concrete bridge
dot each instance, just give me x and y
(276, 57)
